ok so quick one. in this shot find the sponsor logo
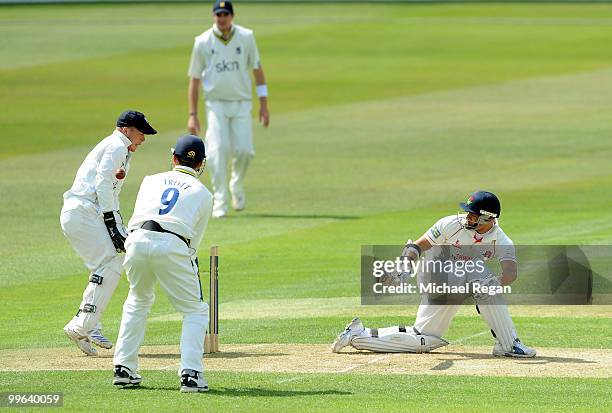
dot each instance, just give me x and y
(435, 232)
(224, 66)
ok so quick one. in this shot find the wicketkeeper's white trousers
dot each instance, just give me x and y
(229, 146)
(84, 228)
(161, 257)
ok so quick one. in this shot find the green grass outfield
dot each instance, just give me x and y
(383, 118)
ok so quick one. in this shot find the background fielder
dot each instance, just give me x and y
(170, 216)
(479, 228)
(220, 62)
(91, 221)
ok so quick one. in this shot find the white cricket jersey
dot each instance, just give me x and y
(95, 180)
(176, 200)
(223, 65)
(450, 231)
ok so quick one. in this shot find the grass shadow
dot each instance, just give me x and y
(245, 391)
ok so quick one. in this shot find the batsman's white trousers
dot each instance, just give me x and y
(229, 138)
(151, 257)
(84, 228)
(433, 321)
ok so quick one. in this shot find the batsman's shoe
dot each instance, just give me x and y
(353, 329)
(126, 377)
(193, 382)
(96, 337)
(238, 202)
(81, 341)
(518, 350)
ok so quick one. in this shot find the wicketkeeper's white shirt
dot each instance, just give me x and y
(177, 200)
(95, 181)
(224, 66)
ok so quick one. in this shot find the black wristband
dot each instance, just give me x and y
(415, 246)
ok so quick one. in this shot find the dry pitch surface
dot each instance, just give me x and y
(317, 358)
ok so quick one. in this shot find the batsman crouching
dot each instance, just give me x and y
(170, 217)
(473, 236)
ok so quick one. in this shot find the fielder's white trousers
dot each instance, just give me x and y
(84, 228)
(161, 257)
(229, 146)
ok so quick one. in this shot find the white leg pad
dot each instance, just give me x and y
(397, 340)
(494, 311)
(97, 295)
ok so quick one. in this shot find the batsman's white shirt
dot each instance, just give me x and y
(177, 200)
(95, 181)
(224, 65)
(450, 231)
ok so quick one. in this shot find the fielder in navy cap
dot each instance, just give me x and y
(137, 120)
(222, 6)
(190, 151)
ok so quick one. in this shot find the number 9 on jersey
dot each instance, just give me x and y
(168, 199)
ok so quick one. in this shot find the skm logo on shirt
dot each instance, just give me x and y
(227, 66)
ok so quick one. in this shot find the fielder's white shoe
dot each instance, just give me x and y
(219, 214)
(96, 337)
(193, 382)
(238, 202)
(81, 341)
(518, 350)
(124, 376)
(353, 329)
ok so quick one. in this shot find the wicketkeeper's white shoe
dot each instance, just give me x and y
(99, 340)
(124, 376)
(193, 382)
(353, 329)
(238, 202)
(518, 350)
(81, 341)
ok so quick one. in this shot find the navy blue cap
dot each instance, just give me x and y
(137, 120)
(189, 148)
(222, 6)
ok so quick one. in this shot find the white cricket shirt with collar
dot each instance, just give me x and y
(224, 65)
(95, 181)
(176, 200)
(492, 244)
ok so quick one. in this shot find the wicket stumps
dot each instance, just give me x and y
(211, 341)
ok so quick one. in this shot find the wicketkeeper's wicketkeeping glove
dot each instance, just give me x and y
(114, 231)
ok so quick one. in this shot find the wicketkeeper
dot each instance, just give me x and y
(92, 223)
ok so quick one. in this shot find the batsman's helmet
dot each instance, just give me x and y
(484, 204)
